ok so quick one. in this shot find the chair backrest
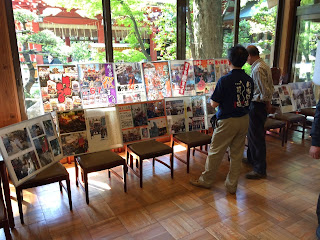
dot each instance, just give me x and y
(276, 73)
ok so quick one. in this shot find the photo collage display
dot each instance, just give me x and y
(29, 147)
(204, 73)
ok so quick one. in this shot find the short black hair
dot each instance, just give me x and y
(238, 55)
(253, 50)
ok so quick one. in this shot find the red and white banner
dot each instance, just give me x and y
(184, 78)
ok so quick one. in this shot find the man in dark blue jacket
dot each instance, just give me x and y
(315, 151)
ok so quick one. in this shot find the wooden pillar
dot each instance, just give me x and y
(181, 29)
(277, 40)
(236, 22)
(9, 101)
(107, 29)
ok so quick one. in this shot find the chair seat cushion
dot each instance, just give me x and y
(100, 161)
(308, 111)
(290, 117)
(54, 171)
(193, 139)
(273, 123)
(150, 149)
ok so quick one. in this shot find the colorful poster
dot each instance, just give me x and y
(302, 95)
(143, 120)
(130, 86)
(185, 114)
(26, 150)
(222, 67)
(204, 72)
(157, 80)
(177, 68)
(97, 85)
(60, 88)
(282, 97)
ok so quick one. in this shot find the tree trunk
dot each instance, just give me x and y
(207, 25)
(32, 71)
(190, 29)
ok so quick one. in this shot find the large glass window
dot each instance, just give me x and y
(308, 35)
(143, 30)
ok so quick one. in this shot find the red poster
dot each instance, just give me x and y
(184, 78)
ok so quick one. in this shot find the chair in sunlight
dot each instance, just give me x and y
(55, 173)
(99, 161)
(147, 150)
(190, 140)
(272, 124)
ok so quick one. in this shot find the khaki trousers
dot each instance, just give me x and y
(231, 133)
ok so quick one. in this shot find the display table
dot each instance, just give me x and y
(6, 190)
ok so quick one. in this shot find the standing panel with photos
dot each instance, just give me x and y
(281, 98)
(29, 147)
(90, 130)
(130, 85)
(204, 72)
(60, 88)
(185, 114)
(302, 95)
(157, 80)
(222, 67)
(182, 78)
(97, 85)
(142, 121)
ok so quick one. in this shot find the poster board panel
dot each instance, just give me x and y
(29, 147)
(142, 121)
(59, 86)
(222, 67)
(282, 98)
(97, 85)
(204, 72)
(302, 95)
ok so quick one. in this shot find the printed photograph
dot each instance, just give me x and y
(175, 107)
(177, 124)
(48, 126)
(155, 109)
(286, 101)
(98, 128)
(25, 165)
(144, 133)
(197, 106)
(210, 109)
(139, 114)
(157, 127)
(74, 143)
(131, 135)
(128, 73)
(36, 130)
(43, 150)
(72, 121)
(16, 141)
(55, 146)
(131, 98)
(197, 123)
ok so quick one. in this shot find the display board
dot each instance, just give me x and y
(302, 95)
(157, 80)
(282, 98)
(97, 85)
(210, 110)
(182, 78)
(144, 120)
(60, 88)
(222, 67)
(185, 114)
(29, 147)
(129, 83)
(204, 72)
(89, 130)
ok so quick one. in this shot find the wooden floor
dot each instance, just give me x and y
(280, 207)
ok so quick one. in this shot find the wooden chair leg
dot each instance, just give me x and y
(193, 151)
(153, 161)
(141, 174)
(188, 159)
(69, 192)
(303, 128)
(19, 198)
(109, 173)
(60, 185)
(287, 131)
(86, 186)
(124, 177)
(171, 163)
(7, 230)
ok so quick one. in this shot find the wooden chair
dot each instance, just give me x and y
(55, 173)
(308, 112)
(290, 119)
(190, 140)
(276, 124)
(146, 150)
(98, 161)
(4, 221)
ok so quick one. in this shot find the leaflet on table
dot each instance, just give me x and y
(145, 120)
(186, 114)
(178, 71)
(29, 147)
(129, 84)
(204, 72)
(97, 85)
(60, 88)
(282, 98)
(302, 95)
(157, 80)
(222, 67)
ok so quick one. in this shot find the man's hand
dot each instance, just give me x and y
(314, 152)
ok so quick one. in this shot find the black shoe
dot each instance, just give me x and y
(255, 175)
